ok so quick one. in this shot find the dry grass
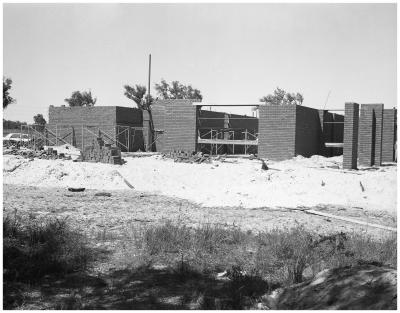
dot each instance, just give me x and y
(280, 256)
(34, 248)
(38, 252)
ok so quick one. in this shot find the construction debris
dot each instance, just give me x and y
(49, 154)
(102, 152)
(189, 157)
(76, 189)
(103, 194)
(264, 165)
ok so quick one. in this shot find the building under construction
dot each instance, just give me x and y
(366, 133)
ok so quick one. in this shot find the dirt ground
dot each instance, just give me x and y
(114, 216)
(109, 222)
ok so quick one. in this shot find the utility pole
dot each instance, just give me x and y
(148, 94)
(150, 136)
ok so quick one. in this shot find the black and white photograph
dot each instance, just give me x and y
(199, 156)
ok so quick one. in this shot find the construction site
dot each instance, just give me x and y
(118, 172)
(367, 133)
(190, 183)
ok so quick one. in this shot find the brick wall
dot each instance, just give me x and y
(388, 135)
(350, 140)
(332, 131)
(158, 112)
(129, 116)
(179, 125)
(370, 134)
(63, 120)
(276, 131)
(308, 138)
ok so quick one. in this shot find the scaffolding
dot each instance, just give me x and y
(221, 138)
(226, 133)
(122, 136)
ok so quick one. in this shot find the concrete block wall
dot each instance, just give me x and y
(370, 134)
(389, 134)
(277, 132)
(350, 140)
(308, 138)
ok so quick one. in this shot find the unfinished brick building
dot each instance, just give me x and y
(278, 133)
(79, 126)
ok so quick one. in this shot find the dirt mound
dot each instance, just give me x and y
(355, 288)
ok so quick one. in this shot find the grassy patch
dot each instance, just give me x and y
(33, 248)
(170, 266)
(279, 256)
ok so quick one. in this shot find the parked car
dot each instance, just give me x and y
(14, 138)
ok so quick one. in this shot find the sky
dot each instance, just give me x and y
(233, 53)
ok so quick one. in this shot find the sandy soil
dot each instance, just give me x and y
(126, 209)
(231, 182)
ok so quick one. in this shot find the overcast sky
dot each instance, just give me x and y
(233, 53)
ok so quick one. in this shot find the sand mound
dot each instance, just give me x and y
(235, 182)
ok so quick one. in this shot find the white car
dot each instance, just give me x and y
(15, 138)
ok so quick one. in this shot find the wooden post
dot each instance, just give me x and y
(129, 137)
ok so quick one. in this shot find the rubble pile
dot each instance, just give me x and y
(188, 157)
(102, 152)
(48, 154)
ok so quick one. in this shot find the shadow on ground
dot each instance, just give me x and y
(143, 288)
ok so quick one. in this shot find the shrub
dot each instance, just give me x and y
(33, 248)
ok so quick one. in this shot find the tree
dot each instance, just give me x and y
(80, 99)
(177, 91)
(7, 99)
(39, 120)
(143, 101)
(7, 124)
(281, 97)
(137, 93)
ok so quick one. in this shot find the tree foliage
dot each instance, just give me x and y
(281, 97)
(7, 124)
(7, 99)
(138, 94)
(39, 119)
(80, 99)
(177, 91)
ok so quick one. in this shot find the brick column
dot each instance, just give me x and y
(350, 137)
(370, 134)
(378, 115)
(388, 135)
(147, 138)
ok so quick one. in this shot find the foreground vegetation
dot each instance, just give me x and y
(207, 267)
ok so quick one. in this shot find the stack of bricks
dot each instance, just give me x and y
(188, 156)
(101, 152)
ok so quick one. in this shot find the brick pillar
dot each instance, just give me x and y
(370, 134)
(350, 137)
(378, 115)
(388, 135)
(146, 131)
